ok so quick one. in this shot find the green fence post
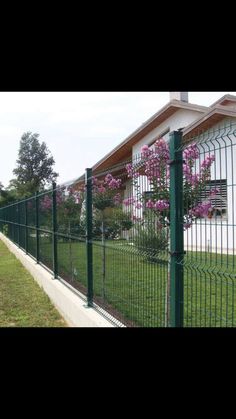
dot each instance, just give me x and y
(89, 221)
(37, 225)
(26, 227)
(54, 229)
(176, 230)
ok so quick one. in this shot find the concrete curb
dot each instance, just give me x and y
(72, 308)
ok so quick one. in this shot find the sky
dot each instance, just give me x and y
(79, 128)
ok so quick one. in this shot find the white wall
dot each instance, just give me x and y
(218, 235)
(179, 119)
(215, 235)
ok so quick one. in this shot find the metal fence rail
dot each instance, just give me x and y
(151, 241)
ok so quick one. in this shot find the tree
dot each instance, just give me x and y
(34, 166)
(6, 196)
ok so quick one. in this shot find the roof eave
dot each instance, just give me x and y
(219, 110)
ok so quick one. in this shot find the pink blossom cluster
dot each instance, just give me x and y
(191, 152)
(159, 205)
(157, 161)
(132, 173)
(207, 162)
(46, 203)
(187, 225)
(145, 151)
(109, 182)
(132, 201)
(214, 191)
(192, 179)
(154, 164)
(129, 201)
(201, 210)
(105, 191)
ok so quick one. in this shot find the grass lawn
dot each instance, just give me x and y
(22, 302)
(134, 290)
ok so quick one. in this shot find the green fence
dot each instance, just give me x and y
(149, 242)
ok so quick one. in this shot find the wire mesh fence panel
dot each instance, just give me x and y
(110, 236)
(209, 229)
(31, 230)
(45, 236)
(130, 243)
(71, 237)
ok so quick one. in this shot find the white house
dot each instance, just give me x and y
(214, 128)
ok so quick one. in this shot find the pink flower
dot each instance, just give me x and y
(129, 201)
(150, 204)
(101, 189)
(161, 205)
(186, 169)
(214, 191)
(131, 172)
(187, 225)
(191, 152)
(208, 162)
(95, 181)
(145, 151)
(201, 210)
(114, 183)
(108, 178)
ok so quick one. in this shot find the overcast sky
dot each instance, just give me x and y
(79, 128)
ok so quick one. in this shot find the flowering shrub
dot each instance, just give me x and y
(105, 193)
(69, 203)
(154, 164)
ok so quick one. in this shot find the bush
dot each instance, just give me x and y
(150, 241)
(115, 221)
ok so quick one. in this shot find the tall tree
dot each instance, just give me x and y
(34, 165)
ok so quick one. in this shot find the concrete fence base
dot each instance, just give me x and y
(72, 308)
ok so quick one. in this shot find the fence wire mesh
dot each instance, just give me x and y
(209, 229)
(131, 233)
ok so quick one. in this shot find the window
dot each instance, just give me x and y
(218, 198)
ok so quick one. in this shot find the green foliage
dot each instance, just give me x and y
(103, 201)
(34, 166)
(69, 217)
(115, 221)
(150, 240)
(7, 196)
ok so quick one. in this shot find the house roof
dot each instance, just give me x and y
(211, 117)
(124, 149)
(225, 100)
